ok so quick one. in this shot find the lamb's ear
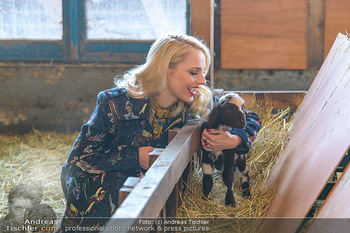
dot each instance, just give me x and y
(213, 115)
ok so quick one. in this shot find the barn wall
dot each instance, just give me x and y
(51, 97)
(62, 97)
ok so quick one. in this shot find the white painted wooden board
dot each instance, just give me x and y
(319, 139)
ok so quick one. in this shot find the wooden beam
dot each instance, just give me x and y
(217, 34)
(315, 31)
(174, 200)
(218, 92)
(275, 99)
(318, 141)
(202, 26)
(128, 186)
(153, 156)
(172, 133)
(150, 195)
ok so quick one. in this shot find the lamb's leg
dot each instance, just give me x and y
(243, 171)
(227, 176)
(207, 168)
(245, 183)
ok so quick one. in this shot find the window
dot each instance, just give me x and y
(31, 20)
(134, 19)
(86, 30)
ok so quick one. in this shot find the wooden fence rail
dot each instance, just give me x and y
(150, 195)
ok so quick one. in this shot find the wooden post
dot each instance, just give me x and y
(128, 186)
(173, 202)
(131, 182)
(154, 155)
(315, 31)
(202, 26)
(172, 133)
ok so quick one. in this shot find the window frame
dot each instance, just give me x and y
(74, 46)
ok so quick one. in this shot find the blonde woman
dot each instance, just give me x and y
(133, 118)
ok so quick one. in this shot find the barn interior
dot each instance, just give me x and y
(283, 57)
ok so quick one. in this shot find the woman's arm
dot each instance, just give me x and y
(249, 133)
(93, 151)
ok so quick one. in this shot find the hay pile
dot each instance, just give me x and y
(36, 157)
(263, 155)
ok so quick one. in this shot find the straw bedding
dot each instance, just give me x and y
(261, 158)
(38, 157)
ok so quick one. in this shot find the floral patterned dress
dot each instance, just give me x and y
(105, 153)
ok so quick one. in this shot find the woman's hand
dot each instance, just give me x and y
(216, 140)
(144, 156)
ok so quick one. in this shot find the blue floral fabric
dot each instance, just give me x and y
(105, 153)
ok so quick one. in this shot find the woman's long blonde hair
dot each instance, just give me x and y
(150, 78)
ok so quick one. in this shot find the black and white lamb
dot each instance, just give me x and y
(227, 114)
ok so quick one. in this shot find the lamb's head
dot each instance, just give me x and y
(230, 111)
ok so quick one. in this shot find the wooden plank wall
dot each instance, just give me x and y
(280, 34)
(269, 34)
(319, 140)
(337, 19)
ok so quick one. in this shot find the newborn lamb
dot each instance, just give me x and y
(228, 113)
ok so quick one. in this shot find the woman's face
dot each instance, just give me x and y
(184, 80)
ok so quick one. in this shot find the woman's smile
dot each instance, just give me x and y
(192, 91)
